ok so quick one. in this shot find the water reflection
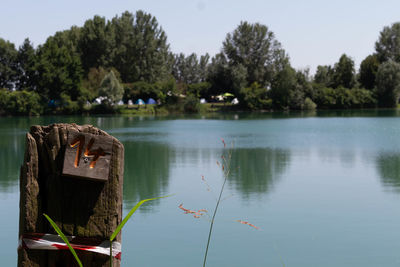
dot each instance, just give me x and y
(12, 144)
(147, 167)
(256, 170)
(388, 166)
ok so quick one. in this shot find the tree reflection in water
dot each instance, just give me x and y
(146, 172)
(388, 166)
(12, 146)
(256, 170)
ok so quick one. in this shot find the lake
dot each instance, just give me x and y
(323, 188)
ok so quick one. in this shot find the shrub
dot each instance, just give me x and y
(255, 97)
(160, 90)
(199, 89)
(67, 105)
(191, 104)
(20, 103)
(111, 89)
(343, 98)
(309, 104)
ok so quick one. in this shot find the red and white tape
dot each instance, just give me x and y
(55, 242)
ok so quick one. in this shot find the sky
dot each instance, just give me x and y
(312, 32)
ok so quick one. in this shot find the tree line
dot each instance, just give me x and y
(128, 57)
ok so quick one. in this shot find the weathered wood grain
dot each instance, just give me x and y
(80, 207)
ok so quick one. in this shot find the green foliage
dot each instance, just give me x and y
(282, 88)
(113, 235)
(140, 51)
(344, 73)
(190, 69)
(249, 54)
(141, 90)
(199, 89)
(388, 45)
(134, 47)
(342, 98)
(8, 64)
(219, 74)
(95, 43)
(26, 67)
(388, 84)
(163, 90)
(255, 48)
(324, 97)
(304, 84)
(309, 104)
(363, 98)
(60, 71)
(191, 104)
(64, 238)
(167, 91)
(238, 75)
(67, 106)
(225, 77)
(69, 39)
(296, 99)
(20, 103)
(126, 219)
(255, 97)
(368, 70)
(111, 89)
(324, 75)
(94, 78)
(129, 215)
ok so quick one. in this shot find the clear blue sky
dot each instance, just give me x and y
(313, 33)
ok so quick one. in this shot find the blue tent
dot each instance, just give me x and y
(53, 103)
(139, 102)
(151, 101)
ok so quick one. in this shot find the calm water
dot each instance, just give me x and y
(324, 188)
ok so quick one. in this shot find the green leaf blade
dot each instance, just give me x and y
(129, 215)
(64, 238)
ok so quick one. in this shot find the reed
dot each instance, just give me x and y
(226, 168)
(125, 220)
(113, 235)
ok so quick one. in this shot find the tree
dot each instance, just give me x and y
(255, 48)
(95, 43)
(199, 89)
(388, 45)
(20, 102)
(368, 70)
(256, 97)
(226, 78)
(203, 67)
(141, 50)
(68, 38)
(324, 75)
(344, 72)
(283, 88)
(111, 89)
(93, 80)
(218, 74)
(26, 67)
(186, 69)
(388, 84)
(60, 71)
(8, 64)
(190, 69)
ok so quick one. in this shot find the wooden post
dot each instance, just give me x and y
(75, 175)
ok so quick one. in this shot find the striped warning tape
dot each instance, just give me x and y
(54, 242)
